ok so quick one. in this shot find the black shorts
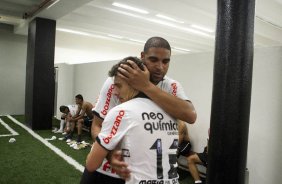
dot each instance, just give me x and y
(98, 178)
(204, 157)
(184, 148)
(87, 121)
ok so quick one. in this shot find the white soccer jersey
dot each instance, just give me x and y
(148, 138)
(73, 109)
(107, 100)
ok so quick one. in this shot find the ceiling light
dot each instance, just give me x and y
(52, 4)
(202, 28)
(73, 31)
(179, 27)
(169, 18)
(115, 36)
(138, 41)
(181, 49)
(130, 8)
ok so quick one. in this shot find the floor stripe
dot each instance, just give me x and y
(59, 152)
(13, 132)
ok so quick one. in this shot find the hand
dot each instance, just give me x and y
(119, 165)
(134, 76)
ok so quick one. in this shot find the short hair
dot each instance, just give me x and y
(63, 108)
(114, 70)
(79, 96)
(157, 42)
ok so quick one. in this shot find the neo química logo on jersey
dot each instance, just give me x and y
(156, 122)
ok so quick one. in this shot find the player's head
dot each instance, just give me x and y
(122, 90)
(78, 99)
(156, 56)
(64, 109)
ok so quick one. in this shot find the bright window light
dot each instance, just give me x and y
(202, 28)
(169, 18)
(130, 8)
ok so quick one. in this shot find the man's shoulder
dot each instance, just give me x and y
(169, 80)
(86, 104)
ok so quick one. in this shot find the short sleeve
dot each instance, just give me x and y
(106, 99)
(115, 126)
(176, 89)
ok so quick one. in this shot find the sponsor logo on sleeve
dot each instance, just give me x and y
(108, 100)
(114, 127)
(174, 89)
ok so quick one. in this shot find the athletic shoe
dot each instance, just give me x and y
(68, 140)
(59, 131)
(69, 136)
(73, 145)
(51, 139)
(55, 129)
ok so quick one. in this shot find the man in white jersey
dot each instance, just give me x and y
(67, 113)
(146, 134)
(166, 92)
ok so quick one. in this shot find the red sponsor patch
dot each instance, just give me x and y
(174, 89)
(108, 100)
(114, 127)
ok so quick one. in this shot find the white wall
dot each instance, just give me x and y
(195, 72)
(65, 89)
(265, 137)
(13, 50)
(89, 79)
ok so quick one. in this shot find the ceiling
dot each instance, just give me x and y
(96, 30)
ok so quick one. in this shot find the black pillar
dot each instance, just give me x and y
(40, 81)
(231, 92)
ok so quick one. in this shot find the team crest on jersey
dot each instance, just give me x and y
(114, 127)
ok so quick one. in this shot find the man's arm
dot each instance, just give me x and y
(96, 127)
(77, 112)
(176, 107)
(95, 157)
(82, 112)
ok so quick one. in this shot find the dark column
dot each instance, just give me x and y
(231, 92)
(40, 81)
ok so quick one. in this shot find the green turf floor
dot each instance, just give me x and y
(28, 161)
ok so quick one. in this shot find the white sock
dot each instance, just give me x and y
(62, 125)
(198, 181)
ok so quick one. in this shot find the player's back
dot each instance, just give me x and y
(149, 145)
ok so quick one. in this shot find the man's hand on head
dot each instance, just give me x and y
(134, 76)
